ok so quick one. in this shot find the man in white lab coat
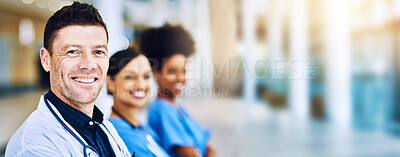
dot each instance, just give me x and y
(66, 122)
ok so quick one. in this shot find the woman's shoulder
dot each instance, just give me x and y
(118, 122)
(159, 101)
(160, 104)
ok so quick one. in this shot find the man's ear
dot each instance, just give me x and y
(45, 59)
(110, 85)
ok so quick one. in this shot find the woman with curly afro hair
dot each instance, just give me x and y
(167, 49)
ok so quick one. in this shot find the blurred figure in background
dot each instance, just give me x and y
(66, 121)
(167, 49)
(129, 80)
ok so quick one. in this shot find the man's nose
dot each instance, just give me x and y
(87, 62)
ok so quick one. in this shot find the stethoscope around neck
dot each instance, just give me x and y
(88, 150)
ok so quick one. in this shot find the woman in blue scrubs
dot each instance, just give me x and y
(167, 48)
(128, 80)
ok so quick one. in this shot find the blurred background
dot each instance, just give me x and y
(269, 77)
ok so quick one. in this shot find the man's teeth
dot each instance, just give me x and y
(84, 80)
(139, 94)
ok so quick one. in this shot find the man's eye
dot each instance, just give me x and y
(99, 52)
(72, 52)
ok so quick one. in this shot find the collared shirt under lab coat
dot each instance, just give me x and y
(42, 135)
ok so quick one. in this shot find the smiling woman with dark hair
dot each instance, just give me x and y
(168, 48)
(129, 80)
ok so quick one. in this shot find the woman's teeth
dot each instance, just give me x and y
(178, 85)
(84, 80)
(139, 94)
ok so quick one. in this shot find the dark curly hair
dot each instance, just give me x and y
(159, 44)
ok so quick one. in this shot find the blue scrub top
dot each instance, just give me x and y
(176, 127)
(140, 140)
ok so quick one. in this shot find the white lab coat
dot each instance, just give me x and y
(42, 135)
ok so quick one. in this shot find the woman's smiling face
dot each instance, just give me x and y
(172, 76)
(132, 84)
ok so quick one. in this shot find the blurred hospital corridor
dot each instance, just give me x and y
(269, 78)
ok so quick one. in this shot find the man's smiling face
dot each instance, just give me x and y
(79, 63)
